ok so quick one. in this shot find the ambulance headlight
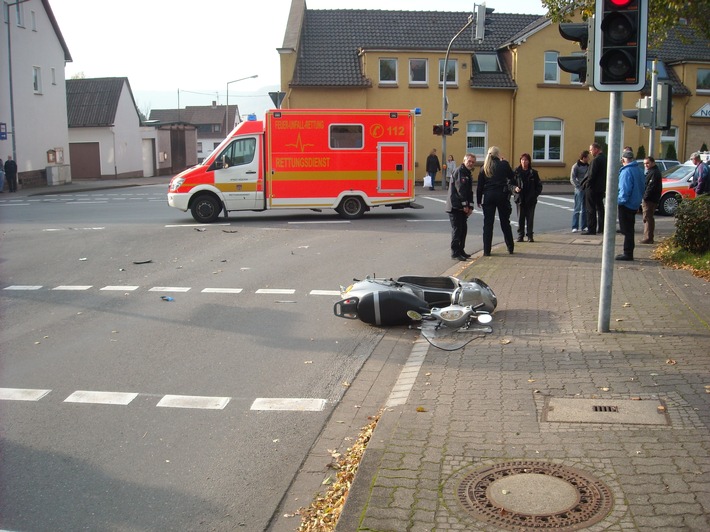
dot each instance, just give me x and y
(176, 183)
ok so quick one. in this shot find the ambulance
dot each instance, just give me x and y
(343, 159)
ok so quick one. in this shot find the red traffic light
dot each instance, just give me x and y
(620, 3)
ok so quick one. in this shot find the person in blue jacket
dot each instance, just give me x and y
(631, 188)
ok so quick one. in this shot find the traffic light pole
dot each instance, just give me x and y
(654, 110)
(610, 210)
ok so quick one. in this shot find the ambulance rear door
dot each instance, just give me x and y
(237, 173)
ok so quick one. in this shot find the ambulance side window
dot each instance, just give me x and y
(346, 136)
(239, 152)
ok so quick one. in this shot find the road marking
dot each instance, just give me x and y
(324, 292)
(22, 394)
(169, 289)
(222, 290)
(121, 288)
(13, 204)
(72, 287)
(101, 398)
(289, 404)
(275, 291)
(321, 222)
(193, 401)
(22, 287)
(405, 382)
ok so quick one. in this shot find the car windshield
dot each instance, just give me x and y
(677, 172)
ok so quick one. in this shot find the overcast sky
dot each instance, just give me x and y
(165, 47)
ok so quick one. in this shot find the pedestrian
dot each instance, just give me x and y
(451, 167)
(496, 182)
(594, 190)
(631, 189)
(651, 197)
(459, 205)
(527, 189)
(579, 173)
(701, 175)
(2, 177)
(11, 173)
(432, 167)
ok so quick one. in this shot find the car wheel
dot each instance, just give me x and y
(669, 204)
(205, 208)
(352, 207)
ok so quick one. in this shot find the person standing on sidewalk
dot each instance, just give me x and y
(594, 190)
(449, 170)
(2, 177)
(631, 189)
(580, 169)
(527, 189)
(432, 167)
(459, 205)
(651, 197)
(496, 182)
(11, 173)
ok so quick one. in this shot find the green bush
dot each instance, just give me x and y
(641, 153)
(671, 153)
(692, 224)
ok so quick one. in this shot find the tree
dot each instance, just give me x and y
(641, 153)
(671, 153)
(663, 15)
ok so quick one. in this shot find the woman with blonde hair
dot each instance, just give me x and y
(496, 182)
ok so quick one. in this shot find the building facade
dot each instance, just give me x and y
(507, 89)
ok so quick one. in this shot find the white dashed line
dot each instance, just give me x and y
(324, 292)
(120, 288)
(193, 401)
(169, 289)
(408, 375)
(275, 291)
(23, 287)
(22, 394)
(101, 398)
(289, 404)
(72, 287)
(222, 290)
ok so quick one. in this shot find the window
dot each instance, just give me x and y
(547, 139)
(476, 139)
(486, 62)
(215, 145)
(552, 73)
(418, 71)
(601, 133)
(703, 79)
(239, 152)
(669, 138)
(216, 128)
(37, 80)
(451, 74)
(388, 71)
(20, 15)
(54, 76)
(574, 78)
(199, 147)
(33, 18)
(346, 136)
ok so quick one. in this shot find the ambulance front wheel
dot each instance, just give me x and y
(352, 207)
(206, 208)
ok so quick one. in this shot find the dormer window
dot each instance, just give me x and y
(486, 62)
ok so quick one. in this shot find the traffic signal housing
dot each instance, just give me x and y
(447, 127)
(438, 129)
(481, 29)
(620, 40)
(450, 124)
(583, 34)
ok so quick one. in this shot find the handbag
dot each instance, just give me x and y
(427, 181)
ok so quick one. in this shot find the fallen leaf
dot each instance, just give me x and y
(661, 408)
(505, 341)
(627, 305)
(421, 409)
(671, 362)
(346, 383)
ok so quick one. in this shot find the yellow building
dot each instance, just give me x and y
(507, 89)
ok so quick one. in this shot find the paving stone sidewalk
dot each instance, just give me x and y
(493, 405)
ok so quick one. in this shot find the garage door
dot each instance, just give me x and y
(85, 160)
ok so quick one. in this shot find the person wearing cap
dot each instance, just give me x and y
(631, 188)
(651, 197)
(701, 179)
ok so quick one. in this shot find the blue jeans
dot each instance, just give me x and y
(580, 212)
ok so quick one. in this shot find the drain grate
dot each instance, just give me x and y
(533, 495)
(600, 408)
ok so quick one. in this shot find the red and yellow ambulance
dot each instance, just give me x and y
(343, 159)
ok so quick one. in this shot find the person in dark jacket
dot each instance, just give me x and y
(432, 167)
(11, 173)
(496, 182)
(527, 189)
(651, 197)
(459, 205)
(594, 190)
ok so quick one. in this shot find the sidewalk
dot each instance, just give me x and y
(88, 185)
(546, 423)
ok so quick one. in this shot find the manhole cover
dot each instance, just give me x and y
(530, 495)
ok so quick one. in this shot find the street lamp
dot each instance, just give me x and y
(226, 120)
(9, 69)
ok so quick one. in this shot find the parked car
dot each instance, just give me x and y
(663, 164)
(676, 187)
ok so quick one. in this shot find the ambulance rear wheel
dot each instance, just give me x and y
(352, 207)
(206, 208)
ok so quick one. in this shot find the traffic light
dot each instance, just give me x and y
(438, 129)
(664, 106)
(620, 36)
(581, 33)
(481, 29)
(447, 127)
(454, 129)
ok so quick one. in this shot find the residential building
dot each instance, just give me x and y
(507, 88)
(33, 106)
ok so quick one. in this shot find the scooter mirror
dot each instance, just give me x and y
(414, 315)
(484, 318)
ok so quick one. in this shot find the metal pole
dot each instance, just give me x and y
(610, 211)
(654, 110)
(226, 119)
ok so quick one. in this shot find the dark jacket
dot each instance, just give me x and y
(460, 190)
(596, 180)
(501, 183)
(530, 185)
(654, 185)
(10, 168)
(432, 164)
